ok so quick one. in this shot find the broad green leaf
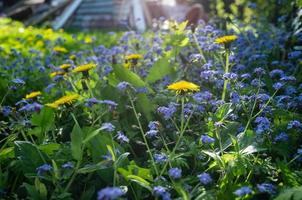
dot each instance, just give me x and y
(91, 135)
(291, 194)
(160, 69)
(44, 119)
(76, 142)
(30, 156)
(123, 74)
(49, 148)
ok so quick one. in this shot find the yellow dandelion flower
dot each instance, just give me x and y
(72, 57)
(53, 74)
(88, 40)
(183, 86)
(84, 68)
(127, 65)
(65, 66)
(67, 99)
(134, 57)
(33, 95)
(52, 105)
(226, 39)
(60, 49)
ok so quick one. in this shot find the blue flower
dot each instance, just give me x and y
(235, 98)
(107, 70)
(121, 137)
(43, 168)
(153, 125)
(230, 76)
(295, 54)
(110, 193)
(245, 76)
(207, 139)
(6, 110)
(259, 71)
(276, 72)
(167, 112)
(109, 103)
(108, 127)
(288, 78)
(92, 101)
(175, 173)
(49, 87)
(142, 90)
(151, 133)
(160, 158)
(202, 96)
(266, 187)
(205, 178)
(18, 81)
(162, 192)
(263, 124)
(281, 137)
(245, 190)
(277, 86)
(208, 74)
(122, 86)
(33, 107)
(295, 124)
(299, 153)
(68, 165)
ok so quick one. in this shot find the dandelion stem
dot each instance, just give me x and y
(226, 70)
(142, 132)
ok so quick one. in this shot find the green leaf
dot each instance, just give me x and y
(49, 148)
(7, 153)
(121, 158)
(40, 187)
(291, 194)
(55, 169)
(160, 69)
(92, 135)
(44, 119)
(184, 42)
(29, 155)
(142, 182)
(123, 74)
(223, 111)
(133, 169)
(111, 152)
(94, 167)
(76, 141)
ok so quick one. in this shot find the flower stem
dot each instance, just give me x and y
(226, 70)
(143, 134)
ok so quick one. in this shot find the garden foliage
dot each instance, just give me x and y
(177, 113)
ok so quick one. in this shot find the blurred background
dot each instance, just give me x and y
(139, 14)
